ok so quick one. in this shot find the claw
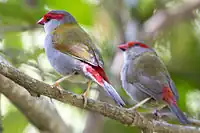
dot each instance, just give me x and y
(57, 83)
(59, 87)
(157, 113)
(85, 96)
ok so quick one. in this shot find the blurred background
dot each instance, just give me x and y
(109, 22)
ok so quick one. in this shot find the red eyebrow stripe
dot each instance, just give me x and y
(130, 44)
(143, 45)
(53, 16)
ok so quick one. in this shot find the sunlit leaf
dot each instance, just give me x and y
(20, 13)
(144, 10)
(13, 40)
(14, 122)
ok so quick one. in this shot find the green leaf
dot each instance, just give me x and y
(184, 49)
(13, 40)
(14, 122)
(19, 13)
(144, 10)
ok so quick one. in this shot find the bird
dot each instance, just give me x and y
(73, 54)
(146, 79)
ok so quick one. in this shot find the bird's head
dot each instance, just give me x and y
(135, 44)
(54, 18)
(134, 48)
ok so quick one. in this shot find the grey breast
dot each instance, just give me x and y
(62, 63)
(136, 94)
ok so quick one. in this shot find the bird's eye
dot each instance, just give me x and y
(48, 19)
(136, 44)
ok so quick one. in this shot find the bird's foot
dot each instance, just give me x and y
(86, 93)
(85, 96)
(57, 85)
(157, 114)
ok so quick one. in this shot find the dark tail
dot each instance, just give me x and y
(113, 93)
(179, 114)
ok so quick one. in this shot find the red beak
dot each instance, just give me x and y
(41, 21)
(123, 47)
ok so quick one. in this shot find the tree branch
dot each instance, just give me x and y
(166, 18)
(131, 118)
(38, 110)
(169, 116)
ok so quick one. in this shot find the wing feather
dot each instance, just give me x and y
(153, 79)
(74, 41)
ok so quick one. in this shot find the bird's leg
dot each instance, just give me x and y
(57, 83)
(157, 113)
(140, 104)
(61, 79)
(85, 94)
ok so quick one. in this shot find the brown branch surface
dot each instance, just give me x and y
(122, 115)
(38, 110)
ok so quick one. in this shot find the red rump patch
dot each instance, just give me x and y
(98, 73)
(168, 95)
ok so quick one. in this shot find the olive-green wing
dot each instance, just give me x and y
(153, 78)
(72, 40)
